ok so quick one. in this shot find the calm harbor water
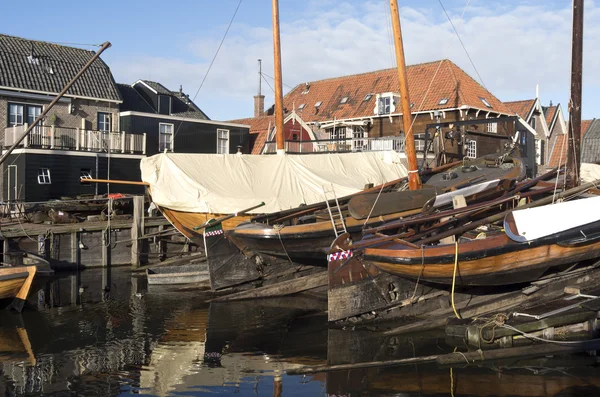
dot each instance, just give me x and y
(83, 338)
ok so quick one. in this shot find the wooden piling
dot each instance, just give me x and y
(106, 248)
(137, 230)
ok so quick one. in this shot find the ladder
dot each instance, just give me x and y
(335, 213)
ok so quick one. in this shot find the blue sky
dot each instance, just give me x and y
(514, 44)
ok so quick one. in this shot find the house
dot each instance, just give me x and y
(362, 111)
(590, 141)
(73, 140)
(173, 123)
(558, 154)
(298, 135)
(99, 129)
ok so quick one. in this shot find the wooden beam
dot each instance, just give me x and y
(114, 181)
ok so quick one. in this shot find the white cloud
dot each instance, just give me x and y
(512, 48)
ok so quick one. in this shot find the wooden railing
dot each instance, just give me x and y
(51, 137)
(395, 143)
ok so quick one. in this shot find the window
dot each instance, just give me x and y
(385, 105)
(443, 101)
(85, 173)
(471, 149)
(103, 122)
(492, 127)
(301, 106)
(318, 104)
(419, 145)
(222, 141)
(344, 100)
(44, 176)
(367, 97)
(33, 60)
(15, 114)
(338, 134)
(165, 137)
(486, 103)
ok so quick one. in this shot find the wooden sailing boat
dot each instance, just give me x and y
(521, 249)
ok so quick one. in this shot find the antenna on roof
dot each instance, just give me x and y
(259, 75)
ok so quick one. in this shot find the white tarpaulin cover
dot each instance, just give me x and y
(589, 172)
(229, 183)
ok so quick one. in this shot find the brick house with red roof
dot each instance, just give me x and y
(558, 155)
(362, 111)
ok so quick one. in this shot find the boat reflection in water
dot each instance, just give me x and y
(104, 333)
(101, 333)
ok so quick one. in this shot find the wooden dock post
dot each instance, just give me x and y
(106, 248)
(137, 230)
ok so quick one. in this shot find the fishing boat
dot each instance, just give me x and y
(15, 283)
(182, 274)
(305, 237)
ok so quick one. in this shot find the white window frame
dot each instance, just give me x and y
(492, 127)
(222, 141)
(338, 133)
(471, 149)
(106, 117)
(419, 145)
(19, 116)
(385, 104)
(44, 176)
(167, 144)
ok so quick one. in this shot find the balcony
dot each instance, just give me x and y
(395, 143)
(61, 138)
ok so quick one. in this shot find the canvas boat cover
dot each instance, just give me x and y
(589, 172)
(225, 184)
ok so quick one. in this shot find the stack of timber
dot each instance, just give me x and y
(454, 252)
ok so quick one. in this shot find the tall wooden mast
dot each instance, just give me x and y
(278, 82)
(574, 149)
(414, 182)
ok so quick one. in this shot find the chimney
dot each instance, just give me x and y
(180, 89)
(259, 99)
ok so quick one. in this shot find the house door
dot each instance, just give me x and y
(12, 183)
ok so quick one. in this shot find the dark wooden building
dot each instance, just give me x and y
(173, 123)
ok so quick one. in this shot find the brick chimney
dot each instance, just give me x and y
(259, 99)
(259, 105)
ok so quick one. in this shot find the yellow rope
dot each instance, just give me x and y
(454, 277)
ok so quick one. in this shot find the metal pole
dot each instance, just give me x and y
(60, 95)
(278, 82)
(414, 182)
(259, 76)
(574, 150)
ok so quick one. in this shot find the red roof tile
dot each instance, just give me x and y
(259, 131)
(561, 144)
(443, 79)
(522, 108)
(550, 112)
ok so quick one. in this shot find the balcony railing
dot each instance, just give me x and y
(51, 137)
(395, 143)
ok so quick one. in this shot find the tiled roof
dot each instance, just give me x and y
(159, 88)
(549, 112)
(185, 99)
(132, 100)
(46, 67)
(259, 130)
(192, 114)
(522, 108)
(590, 142)
(443, 79)
(561, 145)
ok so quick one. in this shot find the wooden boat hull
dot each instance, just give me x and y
(186, 221)
(303, 244)
(492, 261)
(15, 283)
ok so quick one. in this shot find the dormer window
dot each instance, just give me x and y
(302, 105)
(318, 104)
(367, 97)
(443, 101)
(33, 60)
(385, 105)
(485, 102)
(164, 104)
(344, 100)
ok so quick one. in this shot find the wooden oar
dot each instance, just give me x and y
(222, 219)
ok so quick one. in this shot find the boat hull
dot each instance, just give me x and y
(15, 283)
(183, 274)
(492, 261)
